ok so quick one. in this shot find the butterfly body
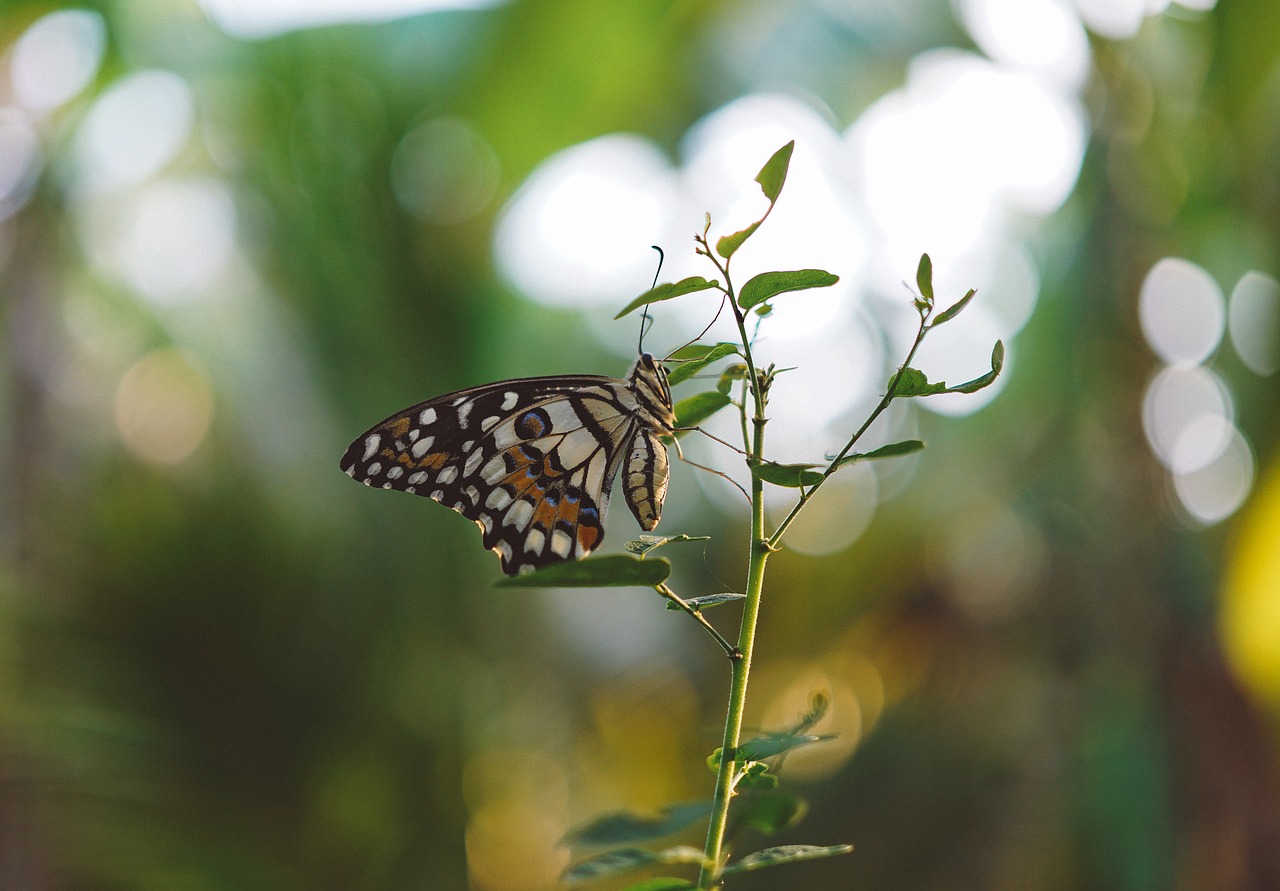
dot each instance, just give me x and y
(532, 461)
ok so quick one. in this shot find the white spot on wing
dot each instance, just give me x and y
(428, 416)
(498, 499)
(561, 543)
(371, 445)
(416, 478)
(535, 542)
(520, 514)
(509, 400)
(375, 468)
(473, 461)
(448, 475)
(464, 412)
(422, 446)
(394, 473)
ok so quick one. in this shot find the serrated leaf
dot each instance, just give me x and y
(954, 310)
(776, 743)
(668, 291)
(606, 571)
(892, 450)
(773, 174)
(790, 476)
(694, 410)
(707, 600)
(612, 863)
(924, 278)
(728, 245)
(784, 854)
(986, 380)
(912, 382)
(768, 812)
(734, 372)
(662, 884)
(643, 544)
(624, 828)
(769, 284)
(688, 368)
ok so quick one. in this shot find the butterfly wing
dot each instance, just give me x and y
(531, 461)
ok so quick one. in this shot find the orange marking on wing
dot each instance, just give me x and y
(588, 538)
(545, 515)
(397, 428)
(434, 461)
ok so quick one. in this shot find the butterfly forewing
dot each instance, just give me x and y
(531, 461)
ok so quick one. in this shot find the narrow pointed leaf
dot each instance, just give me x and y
(819, 702)
(643, 544)
(769, 284)
(954, 310)
(689, 368)
(775, 744)
(729, 244)
(606, 571)
(892, 450)
(774, 172)
(696, 409)
(790, 476)
(622, 828)
(784, 854)
(924, 278)
(706, 600)
(667, 291)
(768, 812)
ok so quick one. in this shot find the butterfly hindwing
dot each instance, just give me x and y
(531, 461)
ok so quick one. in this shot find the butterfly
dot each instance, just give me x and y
(532, 461)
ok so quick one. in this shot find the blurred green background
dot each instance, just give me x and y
(235, 235)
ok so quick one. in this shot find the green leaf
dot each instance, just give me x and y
(688, 368)
(662, 884)
(694, 410)
(734, 372)
(819, 702)
(667, 291)
(643, 544)
(892, 450)
(612, 863)
(954, 310)
(791, 476)
(784, 854)
(706, 600)
(728, 245)
(757, 777)
(986, 380)
(912, 382)
(607, 571)
(622, 828)
(769, 284)
(776, 743)
(924, 278)
(768, 812)
(774, 172)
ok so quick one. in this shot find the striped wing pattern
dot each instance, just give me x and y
(531, 461)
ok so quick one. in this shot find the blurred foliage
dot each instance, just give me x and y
(237, 670)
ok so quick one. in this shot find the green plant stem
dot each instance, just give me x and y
(834, 464)
(741, 666)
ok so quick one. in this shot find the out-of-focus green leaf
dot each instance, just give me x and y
(607, 571)
(819, 702)
(775, 744)
(662, 884)
(623, 828)
(690, 367)
(643, 544)
(612, 863)
(784, 854)
(773, 174)
(694, 410)
(912, 382)
(668, 291)
(986, 380)
(768, 812)
(756, 776)
(734, 372)
(706, 600)
(791, 476)
(769, 284)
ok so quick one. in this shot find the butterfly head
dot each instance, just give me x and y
(648, 381)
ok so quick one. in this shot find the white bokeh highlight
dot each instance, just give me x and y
(1253, 318)
(56, 58)
(1182, 311)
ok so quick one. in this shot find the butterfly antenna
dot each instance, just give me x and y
(645, 318)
